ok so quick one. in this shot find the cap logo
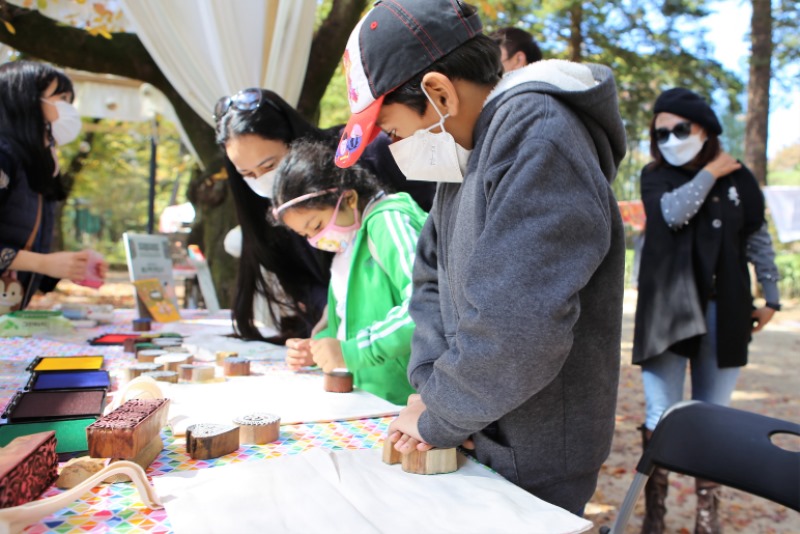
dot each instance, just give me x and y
(348, 144)
(352, 92)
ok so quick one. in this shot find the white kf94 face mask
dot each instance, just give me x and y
(679, 152)
(68, 124)
(431, 157)
(262, 185)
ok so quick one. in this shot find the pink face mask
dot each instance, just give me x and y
(335, 238)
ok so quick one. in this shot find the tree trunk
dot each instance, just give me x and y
(755, 156)
(575, 32)
(327, 49)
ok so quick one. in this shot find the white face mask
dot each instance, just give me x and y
(679, 152)
(431, 157)
(68, 124)
(262, 185)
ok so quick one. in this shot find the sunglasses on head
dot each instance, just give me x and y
(245, 100)
(680, 130)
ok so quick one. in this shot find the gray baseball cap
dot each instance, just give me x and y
(396, 40)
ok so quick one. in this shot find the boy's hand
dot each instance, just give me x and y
(299, 353)
(327, 353)
(403, 431)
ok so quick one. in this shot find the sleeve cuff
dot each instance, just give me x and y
(770, 289)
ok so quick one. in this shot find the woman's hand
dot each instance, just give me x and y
(327, 353)
(299, 354)
(722, 165)
(69, 265)
(762, 316)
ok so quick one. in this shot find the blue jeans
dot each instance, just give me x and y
(663, 376)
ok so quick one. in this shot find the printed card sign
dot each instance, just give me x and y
(149, 258)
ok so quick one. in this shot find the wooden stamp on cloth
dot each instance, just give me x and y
(173, 360)
(237, 367)
(338, 381)
(391, 455)
(222, 355)
(432, 462)
(210, 440)
(163, 376)
(141, 325)
(138, 369)
(28, 465)
(258, 428)
(196, 373)
(148, 355)
(124, 432)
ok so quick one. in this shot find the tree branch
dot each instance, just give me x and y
(122, 55)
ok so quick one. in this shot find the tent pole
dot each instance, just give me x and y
(152, 190)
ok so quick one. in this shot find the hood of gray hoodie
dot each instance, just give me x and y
(588, 90)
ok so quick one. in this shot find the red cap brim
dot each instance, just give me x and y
(359, 132)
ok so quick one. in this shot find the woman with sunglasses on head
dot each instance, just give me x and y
(36, 115)
(255, 128)
(705, 221)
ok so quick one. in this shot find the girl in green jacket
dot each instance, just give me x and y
(374, 236)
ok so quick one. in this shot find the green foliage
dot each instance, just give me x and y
(789, 268)
(334, 107)
(114, 182)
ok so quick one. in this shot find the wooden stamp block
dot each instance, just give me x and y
(338, 381)
(138, 369)
(391, 456)
(141, 325)
(77, 470)
(127, 430)
(148, 355)
(223, 355)
(209, 440)
(258, 428)
(28, 465)
(163, 376)
(145, 457)
(432, 462)
(172, 361)
(167, 341)
(196, 373)
(237, 367)
(129, 345)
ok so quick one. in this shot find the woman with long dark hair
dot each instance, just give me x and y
(36, 115)
(705, 222)
(255, 128)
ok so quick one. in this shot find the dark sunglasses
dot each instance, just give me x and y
(680, 130)
(245, 100)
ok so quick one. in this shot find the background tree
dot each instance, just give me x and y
(756, 130)
(100, 51)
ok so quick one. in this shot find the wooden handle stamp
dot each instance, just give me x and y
(137, 369)
(28, 465)
(391, 455)
(223, 355)
(338, 381)
(237, 367)
(173, 360)
(124, 432)
(209, 440)
(129, 345)
(196, 373)
(141, 325)
(163, 376)
(148, 355)
(432, 462)
(258, 428)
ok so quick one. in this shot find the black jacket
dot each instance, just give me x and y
(682, 269)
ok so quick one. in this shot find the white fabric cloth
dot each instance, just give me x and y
(208, 49)
(784, 206)
(297, 397)
(353, 492)
(340, 277)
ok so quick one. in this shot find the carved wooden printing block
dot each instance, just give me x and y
(196, 373)
(237, 367)
(28, 465)
(432, 462)
(258, 428)
(338, 381)
(126, 431)
(210, 440)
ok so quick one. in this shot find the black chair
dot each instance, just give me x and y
(728, 446)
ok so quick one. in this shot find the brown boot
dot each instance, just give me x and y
(655, 494)
(707, 521)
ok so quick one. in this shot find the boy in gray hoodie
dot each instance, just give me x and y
(518, 279)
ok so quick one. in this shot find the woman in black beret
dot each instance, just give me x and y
(705, 221)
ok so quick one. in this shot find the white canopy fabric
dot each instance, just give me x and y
(784, 206)
(213, 48)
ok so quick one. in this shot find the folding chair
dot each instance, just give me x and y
(728, 446)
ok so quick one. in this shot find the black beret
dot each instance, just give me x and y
(689, 105)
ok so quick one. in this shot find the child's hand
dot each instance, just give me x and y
(327, 353)
(403, 431)
(299, 354)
